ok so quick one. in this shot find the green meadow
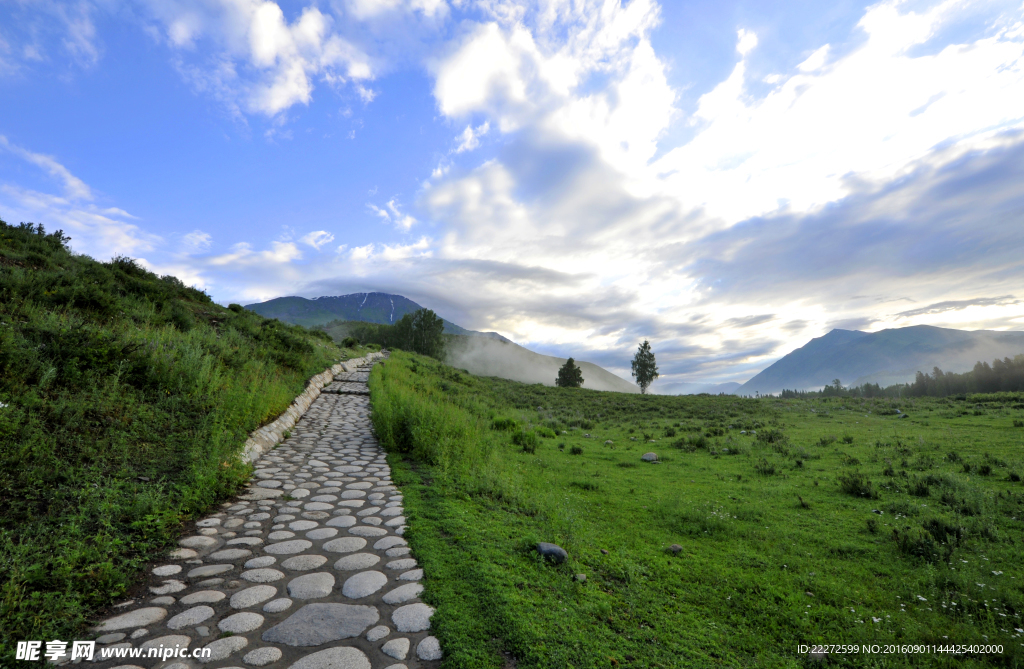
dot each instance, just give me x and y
(822, 521)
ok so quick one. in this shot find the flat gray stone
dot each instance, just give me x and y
(137, 618)
(288, 547)
(322, 533)
(344, 545)
(365, 531)
(169, 641)
(209, 522)
(401, 565)
(396, 648)
(245, 541)
(222, 648)
(356, 561)
(429, 649)
(190, 618)
(230, 554)
(240, 623)
(411, 575)
(257, 594)
(304, 562)
(116, 636)
(303, 525)
(203, 597)
(317, 506)
(403, 594)
(197, 542)
(343, 657)
(167, 570)
(316, 624)
(210, 570)
(311, 586)
(182, 554)
(264, 561)
(390, 542)
(324, 498)
(412, 617)
(353, 494)
(280, 535)
(278, 605)
(649, 457)
(168, 587)
(262, 656)
(378, 633)
(363, 584)
(398, 551)
(341, 521)
(262, 575)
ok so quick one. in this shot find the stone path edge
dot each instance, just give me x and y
(267, 437)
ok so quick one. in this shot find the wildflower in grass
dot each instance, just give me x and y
(922, 598)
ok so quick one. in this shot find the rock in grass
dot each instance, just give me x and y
(675, 548)
(649, 457)
(555, 553)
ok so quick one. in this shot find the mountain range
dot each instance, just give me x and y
(383, 308)
(885, 357)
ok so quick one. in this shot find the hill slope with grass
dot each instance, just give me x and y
(767, 523)
(886, 357)
(125, 399)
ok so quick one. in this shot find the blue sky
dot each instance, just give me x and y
(727, 179)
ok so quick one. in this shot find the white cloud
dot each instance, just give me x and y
(197, 241)
(318, 239)
(469, 139)
(391, 214)
(74, 187)
(871, 112)
(251, 56)
(242, 253)
(387, 253)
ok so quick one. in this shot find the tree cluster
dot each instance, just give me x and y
(420, 332)
(1004, 375)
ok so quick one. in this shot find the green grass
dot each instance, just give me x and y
(126, 398)
(841, 521)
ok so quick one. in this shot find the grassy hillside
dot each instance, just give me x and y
(839, 521)
(124, 399)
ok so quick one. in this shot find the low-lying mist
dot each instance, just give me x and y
(484, 356)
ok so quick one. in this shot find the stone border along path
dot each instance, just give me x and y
(308, 570)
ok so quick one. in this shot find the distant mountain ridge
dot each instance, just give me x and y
(383, 308)
(884, 357)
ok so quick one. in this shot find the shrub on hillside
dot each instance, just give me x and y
(857, 484)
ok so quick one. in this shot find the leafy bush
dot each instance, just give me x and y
(764, 468)
(857, 484)
(576, 450)
(504, 424)
(350, 342)
(771, 436)
(527, 439)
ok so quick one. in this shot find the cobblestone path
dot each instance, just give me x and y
(308, 570)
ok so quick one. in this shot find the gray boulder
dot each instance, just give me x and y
(555, 553)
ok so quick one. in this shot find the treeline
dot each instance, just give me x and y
(420, 332)
(1004, 375)
(836, 389)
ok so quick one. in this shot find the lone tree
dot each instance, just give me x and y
(645, 370)
(569, 376)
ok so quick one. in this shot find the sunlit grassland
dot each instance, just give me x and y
(840, 521)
